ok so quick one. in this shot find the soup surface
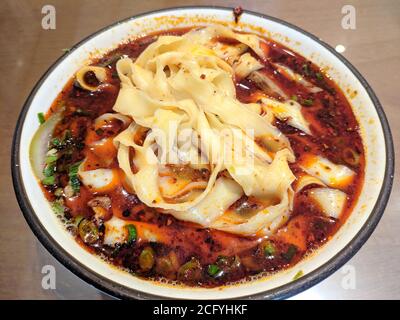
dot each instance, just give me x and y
(164, 206)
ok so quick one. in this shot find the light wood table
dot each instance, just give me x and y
(26, 51)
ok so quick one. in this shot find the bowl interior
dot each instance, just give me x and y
(315, 267)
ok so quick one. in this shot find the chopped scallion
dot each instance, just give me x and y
(55, 142)
(77, 220)
(58, 207)
(49, 170)
(298, 275)
(73, 169)
(48, 181)
(269, 249)
(41, 118)
(132, 233)
(213, 270)
(75, 184)
(73, 177)
(50, 159)
(146, 259)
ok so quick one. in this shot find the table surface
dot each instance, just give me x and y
(26, 51)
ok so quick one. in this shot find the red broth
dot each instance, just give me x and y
(335, 136)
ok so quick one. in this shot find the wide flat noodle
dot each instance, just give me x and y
(253, 178)
(331, 201)
(333, 175)
(184, 86)
(146, 181)
(205, 35)
(262, 223)
(289, 110)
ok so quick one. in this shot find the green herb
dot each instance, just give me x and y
(294, 97)
(74, 168)
(319, 76)
(73, 177)
(66, 50)
(213, 270)
(41, 118)
(269, 249)
(51, 156)
(132, 233)
(308, 102)
(58, 206)
(50, 159)
(290, 253)
(55, 142)
(48, 181)
(75, 184)
(49, 170)
(298, 275)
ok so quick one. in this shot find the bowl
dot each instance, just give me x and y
(317, 266)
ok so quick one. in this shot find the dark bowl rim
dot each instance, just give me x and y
(287, 290)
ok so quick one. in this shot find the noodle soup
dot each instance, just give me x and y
(200, 155)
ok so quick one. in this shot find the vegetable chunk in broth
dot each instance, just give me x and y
(141, 196)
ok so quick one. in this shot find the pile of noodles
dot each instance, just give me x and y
(187, 83)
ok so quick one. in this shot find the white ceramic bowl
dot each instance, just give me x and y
(352, 235)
